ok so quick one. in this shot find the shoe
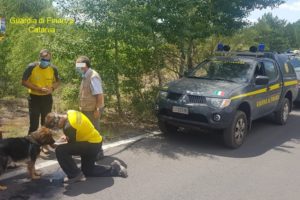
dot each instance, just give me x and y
(118, 170)
(79, 178)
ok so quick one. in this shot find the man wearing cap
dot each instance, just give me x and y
(41, 78)
(83, 140)
(91, 98)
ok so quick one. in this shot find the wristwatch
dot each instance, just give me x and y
(100, 109)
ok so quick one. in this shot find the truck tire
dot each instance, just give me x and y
(281, 115)
(166, 128)
(234, 135)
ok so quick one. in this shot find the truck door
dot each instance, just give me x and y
(274, 86)
(258, 100)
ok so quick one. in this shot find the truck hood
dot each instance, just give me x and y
(204, 87)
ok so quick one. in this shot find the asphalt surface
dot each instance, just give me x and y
(190, 166)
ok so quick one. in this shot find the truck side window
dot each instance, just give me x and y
(259, 71)
(270, 70)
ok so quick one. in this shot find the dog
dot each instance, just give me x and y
(24, 149)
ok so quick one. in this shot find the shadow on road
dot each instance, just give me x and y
(50, 186)
(264, 136)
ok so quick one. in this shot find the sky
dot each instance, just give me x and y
(290, 11)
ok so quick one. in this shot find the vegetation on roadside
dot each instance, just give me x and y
(136, 45)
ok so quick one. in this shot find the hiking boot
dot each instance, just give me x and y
(79, 178)
(118, 170)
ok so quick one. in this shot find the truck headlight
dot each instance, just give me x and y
(217, 102)
(163, 94)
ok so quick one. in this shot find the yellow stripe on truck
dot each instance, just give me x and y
(263, 90)
(274, 87)
(249, 93)
(288, 83)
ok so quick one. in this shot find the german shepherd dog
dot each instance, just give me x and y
(25, 149)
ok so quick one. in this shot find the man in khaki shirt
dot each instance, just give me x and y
(91, 98)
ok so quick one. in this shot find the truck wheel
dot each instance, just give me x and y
(282, 114)
(166, 128)
(235, 134)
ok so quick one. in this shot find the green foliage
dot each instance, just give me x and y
(135, 45)
(69, 95)
(271, 31)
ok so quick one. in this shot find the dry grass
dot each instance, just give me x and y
(15, 122)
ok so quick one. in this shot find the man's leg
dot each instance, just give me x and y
(95, 122)
(64, 154)
(88, 166)
(34, 112)
(46, 103)
(46, 107)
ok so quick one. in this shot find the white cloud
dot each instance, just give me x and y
(289, 11)
(293, 6)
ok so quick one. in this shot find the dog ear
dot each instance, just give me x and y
(44, 129)
(47, 139)
(44, 138)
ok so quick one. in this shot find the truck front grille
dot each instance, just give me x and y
(197, 99)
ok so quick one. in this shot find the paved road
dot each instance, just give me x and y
(189, 166)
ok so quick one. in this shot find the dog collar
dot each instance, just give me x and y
(32, 140)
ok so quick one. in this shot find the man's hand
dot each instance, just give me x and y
(44, 90)
(97, 114)
(47, 90)
(62, 140)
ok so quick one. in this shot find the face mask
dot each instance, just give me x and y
(78, 69)
(80, 72)
(44, 63)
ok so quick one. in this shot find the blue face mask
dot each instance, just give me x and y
(44, 63)
(80, 72)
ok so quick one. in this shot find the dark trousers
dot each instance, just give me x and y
(39, 107)
(95, 122)
(88, 152)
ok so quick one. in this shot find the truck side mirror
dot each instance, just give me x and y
(261, 80)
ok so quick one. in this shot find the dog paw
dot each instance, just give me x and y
(2, 187)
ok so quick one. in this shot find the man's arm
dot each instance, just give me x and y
(27, 83)
(31, 86)
(57, 79)
(69, 132)
(100, 101)
(97, 91)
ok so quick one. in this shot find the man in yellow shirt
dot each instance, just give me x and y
(83, 140)
(41, 78)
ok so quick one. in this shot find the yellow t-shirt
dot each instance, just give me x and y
(85, 131)
(40, 77)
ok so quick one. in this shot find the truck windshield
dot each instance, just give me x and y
(233, 71)
(296, 62)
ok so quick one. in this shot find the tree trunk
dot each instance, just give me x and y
(190, 54)
(159, 60)
(116, 80)
(159, 75)
(182, 61)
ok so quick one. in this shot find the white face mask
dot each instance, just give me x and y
(80, 65)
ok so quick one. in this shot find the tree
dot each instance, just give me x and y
(271, 31)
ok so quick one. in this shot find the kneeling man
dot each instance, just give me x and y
(83, 140)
